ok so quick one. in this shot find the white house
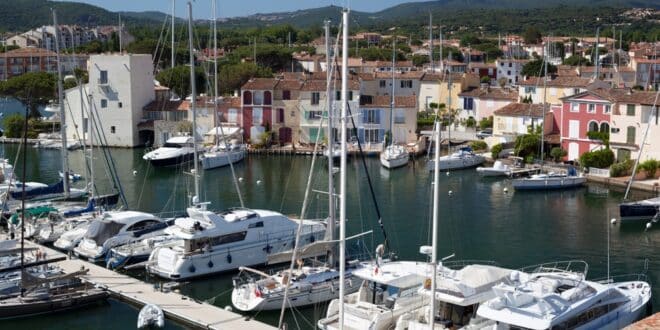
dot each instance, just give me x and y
(120, 85)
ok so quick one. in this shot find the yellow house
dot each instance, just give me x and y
(459, 83)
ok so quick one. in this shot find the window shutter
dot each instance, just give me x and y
(361, 135)
(378, 116)
(381, 134)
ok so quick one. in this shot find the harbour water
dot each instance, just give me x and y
(478, 220)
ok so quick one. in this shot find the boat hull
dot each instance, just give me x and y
(172, 161)
(391, 163)
(549, 183)
(210, 161)
(15, 309)
(639, 211)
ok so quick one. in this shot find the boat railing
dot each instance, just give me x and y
(459, 264)
(567, 266)
(623, 278)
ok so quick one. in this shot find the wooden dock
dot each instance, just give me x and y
(177, 307)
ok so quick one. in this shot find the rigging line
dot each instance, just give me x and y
(308, 189)
(160, 37)
(144, 183)
(371, 188)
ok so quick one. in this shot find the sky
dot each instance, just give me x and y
(233, 8)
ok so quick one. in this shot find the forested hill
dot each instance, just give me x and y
(21, 15)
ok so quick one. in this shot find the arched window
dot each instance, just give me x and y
(604, 127)
(593, 126)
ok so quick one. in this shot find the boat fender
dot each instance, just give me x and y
(210, 264)
(268, 248)
(228, 258)
(191, 268)
(110, 264)
(312, 239)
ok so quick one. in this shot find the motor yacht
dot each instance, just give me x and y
(177, 150)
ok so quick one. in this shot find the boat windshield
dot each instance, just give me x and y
(100, 231)
(451, 315)
(172, 145)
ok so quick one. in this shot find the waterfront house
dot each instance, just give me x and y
(516, 119)
(257, 107)
(286, 116)
(632, 114)
(374, 119)
(120, 86)
(380, 83)
(484, 70)
(453, 84)
(481, 102)
(557, 87)
(582, 113)
(429, 91)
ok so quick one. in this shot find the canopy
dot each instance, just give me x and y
(226, 131)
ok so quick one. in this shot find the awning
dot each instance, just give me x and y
(226, 131)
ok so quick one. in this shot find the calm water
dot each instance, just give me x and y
(478, 221)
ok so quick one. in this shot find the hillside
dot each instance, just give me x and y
(22, 15)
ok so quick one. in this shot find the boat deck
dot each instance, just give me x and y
(522, 172)
(176, 306)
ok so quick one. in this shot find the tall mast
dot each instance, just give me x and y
(449, 80)
(545, 91)
(172, 36)
(215, 73)
(392, 96)
(442, 65)
(342, 171)
(331, 142)
(120, 32)
(431, 42)
(92, 123)
(434, 235)
(65, 151)
(192, 103)
(596, 72)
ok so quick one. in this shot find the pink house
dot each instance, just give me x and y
(582, 113)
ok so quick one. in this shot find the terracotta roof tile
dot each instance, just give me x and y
(29, 51)
(557, 81)
(491, 93)
(382, 101)
(626, 95)
(167, 106)
(260, 84)
(520, 110)
(289, 85)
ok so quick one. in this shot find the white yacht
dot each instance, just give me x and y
(177, 150)
(548, 181)
(309, 285)
(127, 254)
(394, 156)
(459, 291)
(388, 291)
(117, 228)
(223, 154)
(463, 158)
(498, 169)
(211, 242)
(556, 299)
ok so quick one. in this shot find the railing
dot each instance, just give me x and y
(459, 264)
(569, 266)
(602, 172)
(623, 278)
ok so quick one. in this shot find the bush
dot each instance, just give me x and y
(486, 123)
(478, 145)
(558, 153)
(470, 122)
(14, 126)
(527, 145)
(621, 169)
(496, 150)
(485, 80)
(599, 158)
(649, 166)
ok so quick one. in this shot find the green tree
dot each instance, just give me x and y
(535, 69)
(527, 145)
(558, 153)
(13, 126)
(33, 89)
(419, 60)
(576, 60)
(178, 79)
(531, 35)
(486, 122)
(233, 76)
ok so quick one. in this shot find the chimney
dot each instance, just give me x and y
(236, 93)
(629, 92)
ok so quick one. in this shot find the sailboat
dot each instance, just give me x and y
(551, 180)
(37, 295)
(223, 153)
(462, 158)
(208, 242)
(310, 282)
(394, 155)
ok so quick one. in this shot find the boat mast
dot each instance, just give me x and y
(91, 124)
(331, 141)
(434, 235)
(193, 99)
(431, 42)
(172, 52)
(215, 75)
(545, 92)
(391, 141)
(342, 170)
(65, 151)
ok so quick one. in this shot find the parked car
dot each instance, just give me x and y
(485, 133)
